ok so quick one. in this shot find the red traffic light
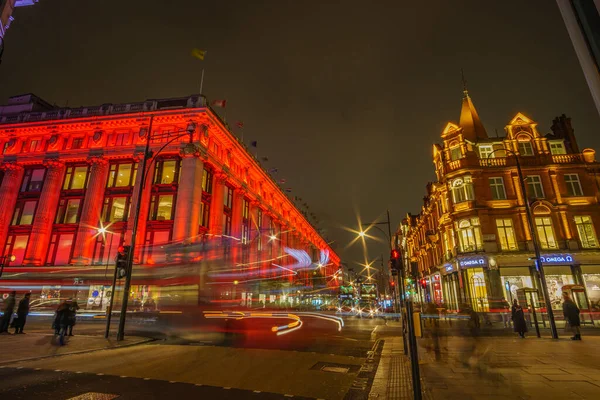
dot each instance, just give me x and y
(395, 254)
(121, 249)
(392, 283)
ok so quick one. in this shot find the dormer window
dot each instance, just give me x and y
(557, 148)
(525, 148)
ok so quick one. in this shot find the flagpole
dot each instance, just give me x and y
(202, 80)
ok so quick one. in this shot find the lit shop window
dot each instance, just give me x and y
(557, 148)
(469, 235)
(462, 189)
(59, 251)
(534, 187)
(161, 207)
(122, 175)
(587, 234)
(545, 233)
(68, 211)
(573, 185)
(75, 177)
(24, 212)
(33, 179)
(115, 209)
(15, 246)
(506, 234)
(497, 187)
(167, 172)
(525, 148)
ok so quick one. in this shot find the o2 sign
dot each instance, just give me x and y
(556, 259)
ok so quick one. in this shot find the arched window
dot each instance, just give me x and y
(462, 189)
(469, 235)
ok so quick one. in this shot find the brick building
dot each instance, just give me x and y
(471, 242)
(69, 173)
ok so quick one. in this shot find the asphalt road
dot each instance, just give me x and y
(196, 362)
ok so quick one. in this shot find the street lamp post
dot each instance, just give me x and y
(536, 248)
(144, 170)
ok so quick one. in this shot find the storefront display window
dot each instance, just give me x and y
(512, 283)
(592, 286)
(555, 284)
(477, 289)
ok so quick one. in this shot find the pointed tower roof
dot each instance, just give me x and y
(473, 129)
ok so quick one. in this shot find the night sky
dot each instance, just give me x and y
(346, 98)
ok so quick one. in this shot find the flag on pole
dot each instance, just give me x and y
(265, 159)
(289, 190)
(282, 181)
(199, 54)
(219, 103)
(240, 124)
(273, 170)
(254, 143)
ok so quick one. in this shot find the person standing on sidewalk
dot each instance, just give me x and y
(571, 313)
(22, 312)
(518, 319)
(9, 308)
(505, 311)
(72, 315)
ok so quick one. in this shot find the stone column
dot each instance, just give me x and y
(144, 207)
(216, 204)
(189, 198)
(41, 230)
(90, 211)
(9, 191)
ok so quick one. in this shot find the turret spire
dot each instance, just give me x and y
(473, 129)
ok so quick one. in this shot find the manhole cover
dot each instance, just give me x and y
(339, 370)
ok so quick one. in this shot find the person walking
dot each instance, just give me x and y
(9, 308)
(505, 311)
(72, 315)
(518, 319)
(571, 313)
(22, 312)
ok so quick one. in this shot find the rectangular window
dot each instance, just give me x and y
(455, 153)
(68, 211)
(161, 207)
(259, 224)
(33, 145)
(497, 187)
(469, 234)
(167, 172)
(486, 151)
(115, 209)
(106, 247)
(122, 175)
(154, 251)
(33, 179)
(587, 234)
(59, 251)
(227, 224)
(204, 213)
(573, 185)
(545, 233)
(534, 187)
(207, 181)
(525, 148)
(506, 234)
(24, 212)
(75, 178)
(462, 190)
(227, 196)
(77, 143)
(15, 246)
(557, 148)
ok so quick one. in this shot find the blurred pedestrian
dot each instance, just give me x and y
(22, 312)
(571, 313)
(72, 315)
(518, 319)
(9, 308)
(505, 310)
(60, 319)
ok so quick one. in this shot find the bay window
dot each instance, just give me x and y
(462, 189)
(469, 235)
(585, 229)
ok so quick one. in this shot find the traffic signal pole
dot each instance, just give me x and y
(127, 286)
(110, 305)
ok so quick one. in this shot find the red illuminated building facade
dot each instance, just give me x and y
(471, 243)
(68, 174)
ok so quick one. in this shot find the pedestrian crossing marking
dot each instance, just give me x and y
(95, 396)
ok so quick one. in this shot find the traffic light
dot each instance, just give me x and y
(122, 263)
(395, 259)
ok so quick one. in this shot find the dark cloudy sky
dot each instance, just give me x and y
(346, 97)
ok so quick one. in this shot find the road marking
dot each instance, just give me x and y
(123, 376)
(37, 369)
(146, 379)
(56, 370)
(198, 384)
(79, 372)
(172, 382)
(226, 388)
(100, 374)
(257, 391)
(95, 396)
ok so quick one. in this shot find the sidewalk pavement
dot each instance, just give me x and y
(495, 368)
(32, 346)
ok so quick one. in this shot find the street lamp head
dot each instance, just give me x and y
(191, 128)
(362, 233)
(272, 237)
(102, 230)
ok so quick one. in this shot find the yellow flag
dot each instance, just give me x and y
(199, 54)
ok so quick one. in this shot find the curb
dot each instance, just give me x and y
(7, 363)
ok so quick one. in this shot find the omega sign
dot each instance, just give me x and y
(556, 259)
(473, 262)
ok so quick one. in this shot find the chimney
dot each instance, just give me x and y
(561, 127)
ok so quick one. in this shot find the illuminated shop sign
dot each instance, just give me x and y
(556, 258)
(448, 267)
(473, 262)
